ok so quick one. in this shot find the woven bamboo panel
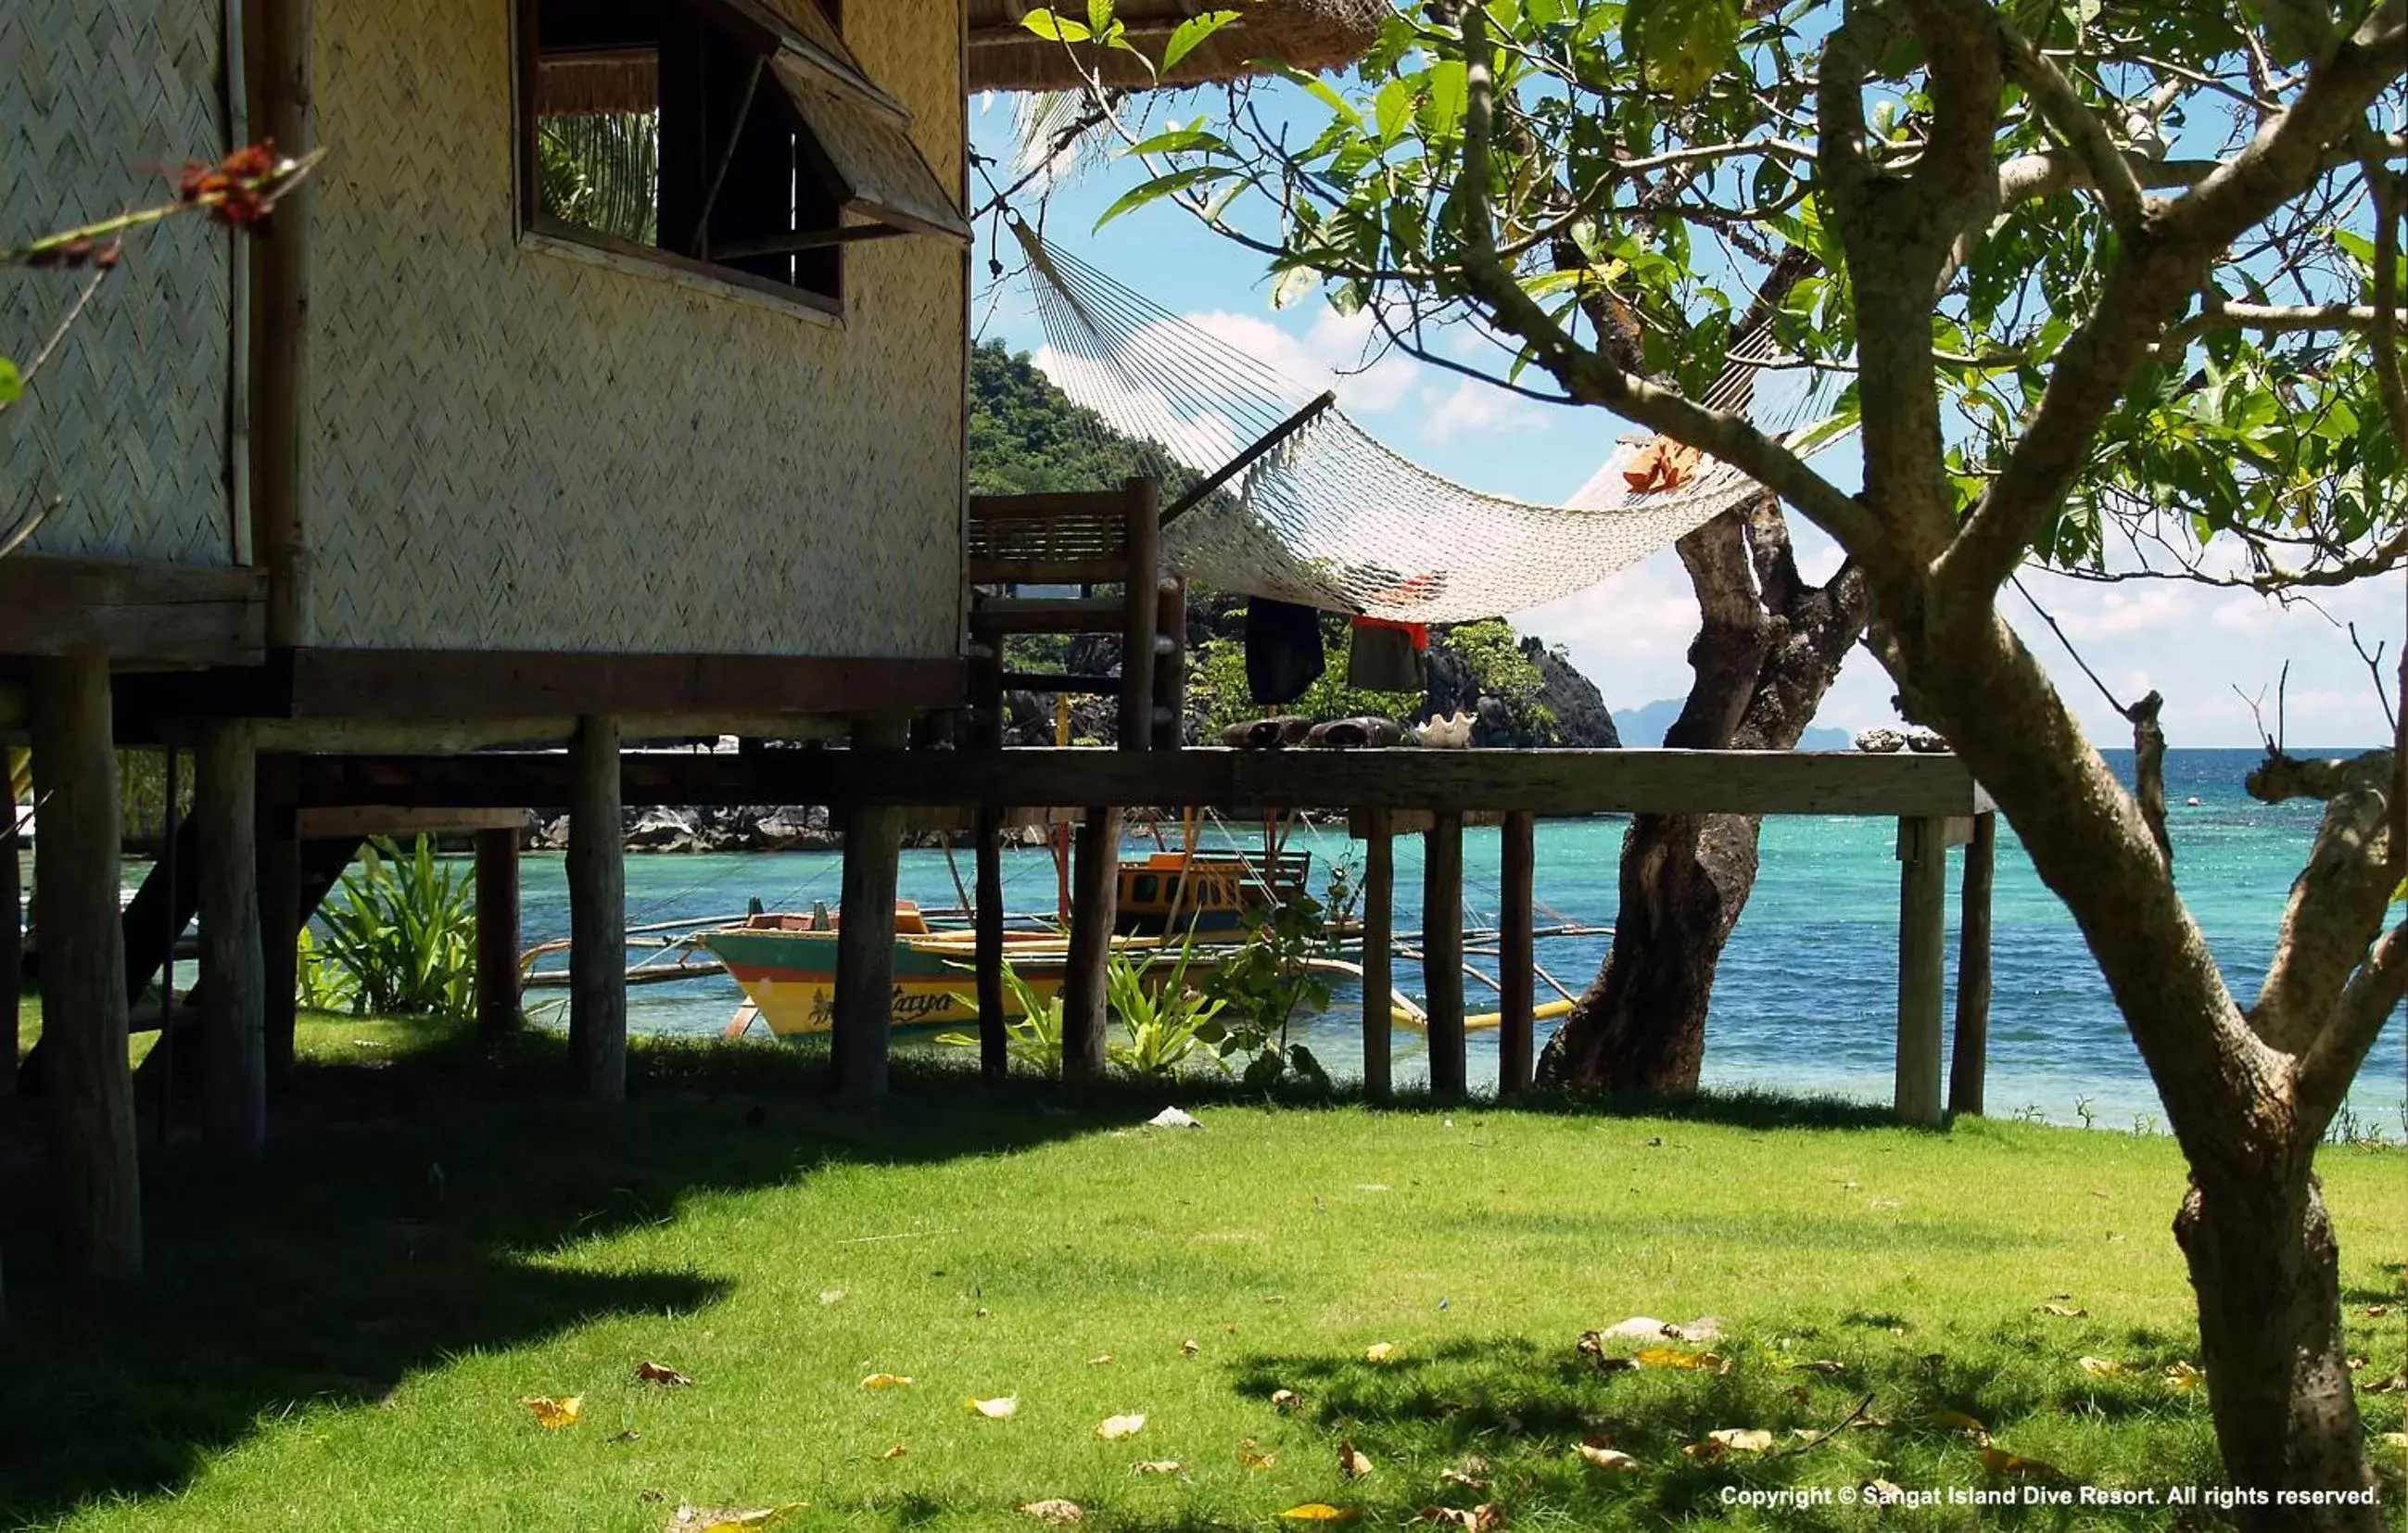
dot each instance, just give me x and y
(126, 427)
(516, 449)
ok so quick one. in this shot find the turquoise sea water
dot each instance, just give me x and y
(1806, 998)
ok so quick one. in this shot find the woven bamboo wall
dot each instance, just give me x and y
(126, 427)
(519, 450)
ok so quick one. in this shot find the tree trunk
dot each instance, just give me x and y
(2267, 1274)
(1769, 646)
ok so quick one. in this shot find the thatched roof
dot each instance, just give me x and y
(1306, 34)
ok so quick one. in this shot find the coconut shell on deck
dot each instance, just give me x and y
(1311, 35)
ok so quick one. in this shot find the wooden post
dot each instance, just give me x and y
(279, 910)
(1921, 939)
(1443, 951)
(1379, 922)
(497, 932)
(1094, 895)
(1969, 1062)
(12, 934)
(233, 1063)
(598, 912)
(995, 1056)
(1170, 667)
(1516, 957)
(861, 1034)
(285, 109)
(88, 1086)
(1142, 594)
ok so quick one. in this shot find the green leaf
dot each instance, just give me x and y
(1179, 140)
(1682, 44)
(1190, 33)
(1391, 108)
(12, 382)
(1161, 186)
(1292, 284)
(1449, 91)
(1054, 29)
(1099, 16)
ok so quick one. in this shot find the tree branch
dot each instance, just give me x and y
(2062, 106)
(2338, 900)
(2282, 319)
(2322, 1076)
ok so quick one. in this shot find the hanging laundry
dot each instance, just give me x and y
(1282, 650)
(1388, 656)
(1662, 464)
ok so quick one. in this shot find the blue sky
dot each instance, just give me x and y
(1630, 633)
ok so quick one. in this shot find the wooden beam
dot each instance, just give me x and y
(1551, 782)
(1968, 1060)
(498, 931)
(124, 610)
(88, 1085)
(358, 822)
(1379, 979)
(1094, 890)
(597, 914)
(282, 34)
(233, 1072)
(469, 684)
(1922, 942)
(862, 1033)
(1443, 955)
(1516, 957)
(279, 911)
(1142, 597)
(994, 1055)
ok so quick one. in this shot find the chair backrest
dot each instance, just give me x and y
(1077, 538)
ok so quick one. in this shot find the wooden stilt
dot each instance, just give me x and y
(1922, 941)
(279, 910)
(1092, 891)
(598, 912)
(1170, 667)
(497, 932)
(995, 1059)
(1969, 1061)
(12, 935)
(860, 1035)
(88, 1087)
(1516, 958)
(1143, 593)
(233, 1065)
(1443, 953)
(1379, 922)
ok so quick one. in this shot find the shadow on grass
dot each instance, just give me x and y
(393, 1226)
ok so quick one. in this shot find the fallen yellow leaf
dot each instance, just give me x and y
(1285, 1400)
(2102, 1368)
(831, 1296)
(998, 1409)
(1321, 1511)
(1468, 1477)
(895, 1452)
(1351, 1461)
(1189, 1348)
(1675, 1357)
(886, 1380)
(2063, 1311)
(1479, 1518)
(1156, 1466)
(1057, 1511)
(661, 1374)
(555, 1413)
(1956, 1421)
(1113, 1428)
(1882, 1493)
(1379, 1352)
(1254, 1460)
(1999, 1461)
(1605, 1457)
(1099, 1360)
(692, 1519)
(1819, 1365)
(1741, 1439)
(2395, 1439)
(2183, 1377)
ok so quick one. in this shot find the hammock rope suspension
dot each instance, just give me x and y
(1328, 516)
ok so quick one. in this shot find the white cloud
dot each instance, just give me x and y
(1471, 408)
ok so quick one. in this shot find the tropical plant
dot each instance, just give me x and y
(601, 170)
(319, 982)
(1034, 1037)
(403, 929)
(1260, 989)
(1165, 1021)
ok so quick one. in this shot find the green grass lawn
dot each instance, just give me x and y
(339, 1338)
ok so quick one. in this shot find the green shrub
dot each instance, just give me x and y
(402, 931)
(1164, 1023)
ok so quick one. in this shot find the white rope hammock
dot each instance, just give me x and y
(1329, 517)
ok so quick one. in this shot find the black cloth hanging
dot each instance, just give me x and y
(1282, 650)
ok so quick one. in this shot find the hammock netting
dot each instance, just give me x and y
(1330, 518)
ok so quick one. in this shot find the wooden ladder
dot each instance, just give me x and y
(1085, 539)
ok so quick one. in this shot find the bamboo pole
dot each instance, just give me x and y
(1379, 921)
(1443, 953)
(1969, 1061)
(497, 932)
(598, 912)
(89, 1085)
(994, 1057)
(1516, 957)
(234, 1060)
(1922, 942)
(1093, 881)
(861, 1034)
